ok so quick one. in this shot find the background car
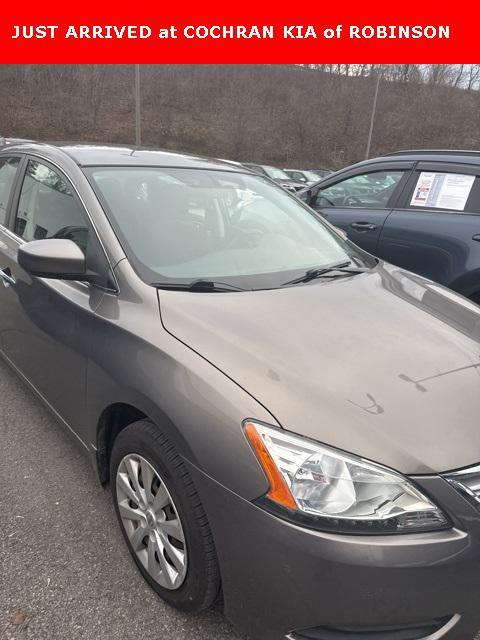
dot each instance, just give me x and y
(279, 176)
(321, 173)
(416, 209)
(302, 175)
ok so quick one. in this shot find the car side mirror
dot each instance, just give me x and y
(342, 232)
(58, 259)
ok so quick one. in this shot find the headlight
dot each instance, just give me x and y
(330, 490)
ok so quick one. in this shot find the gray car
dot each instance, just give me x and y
(282, 418)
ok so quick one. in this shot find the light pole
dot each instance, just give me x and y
(372, 117)
(138, 126)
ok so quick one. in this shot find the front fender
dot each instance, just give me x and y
(196, 405)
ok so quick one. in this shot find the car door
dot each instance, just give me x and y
(9, 170)
(45, 323)
(360, 200)
(435, 228)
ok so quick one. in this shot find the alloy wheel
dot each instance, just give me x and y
(151, 521)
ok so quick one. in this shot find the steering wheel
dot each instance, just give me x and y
(350, 201)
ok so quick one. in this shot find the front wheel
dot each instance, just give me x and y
(162, 518)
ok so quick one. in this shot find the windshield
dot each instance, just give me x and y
(186, 224)
(276, 174)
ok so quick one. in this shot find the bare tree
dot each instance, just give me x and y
(306, 115)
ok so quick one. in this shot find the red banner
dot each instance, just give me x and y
(377, 32)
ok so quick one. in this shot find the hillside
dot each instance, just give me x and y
(284, 115)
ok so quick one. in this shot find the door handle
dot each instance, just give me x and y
(476, 237)
(6, 276)
(363, 226)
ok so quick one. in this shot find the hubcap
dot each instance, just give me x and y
(151, 522)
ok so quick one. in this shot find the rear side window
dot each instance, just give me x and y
(48, 209)
(445, 191)
(8, 170)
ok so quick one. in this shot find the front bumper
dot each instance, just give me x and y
(280, 580)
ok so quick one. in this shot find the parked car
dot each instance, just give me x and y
(304, 176)
(419, 210)
(277, 175)
(321, 173)
(281, 417)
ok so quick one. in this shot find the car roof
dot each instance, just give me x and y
(86, 155)
(436, 152)
(9, 142)
(434, 155)
(451, 156)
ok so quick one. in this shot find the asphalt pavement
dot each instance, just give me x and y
(65, 573)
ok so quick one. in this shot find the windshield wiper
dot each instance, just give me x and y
(312, 274)
(197, 285)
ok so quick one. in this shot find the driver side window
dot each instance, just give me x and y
(367, 191)
(48, 208)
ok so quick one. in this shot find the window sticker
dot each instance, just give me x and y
(442, 190)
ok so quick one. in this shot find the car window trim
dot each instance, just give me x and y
(449, 212)
(14, 208)
(11, 196)
(448, 167)
(359, 170)
(15, 197)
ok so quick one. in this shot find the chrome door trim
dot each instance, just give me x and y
(8, 280)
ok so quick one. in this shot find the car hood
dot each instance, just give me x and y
(383, 364)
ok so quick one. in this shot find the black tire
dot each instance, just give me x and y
(201, 585)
